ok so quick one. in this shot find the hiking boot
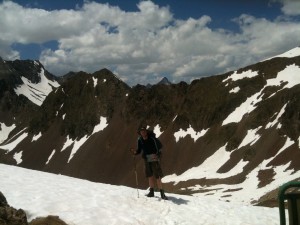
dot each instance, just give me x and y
(162, 194)
(151, 193)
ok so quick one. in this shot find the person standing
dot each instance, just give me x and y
(150, 147)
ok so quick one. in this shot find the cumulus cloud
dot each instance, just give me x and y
(144, 45)
(290, 7)
(6, 52)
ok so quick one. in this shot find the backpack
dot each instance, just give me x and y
(158, 144)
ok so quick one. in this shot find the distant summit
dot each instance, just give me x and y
(164, 81)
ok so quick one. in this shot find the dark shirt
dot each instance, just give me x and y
(148, 146)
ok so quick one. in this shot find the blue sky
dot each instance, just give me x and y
(143, 41)
(221, 9)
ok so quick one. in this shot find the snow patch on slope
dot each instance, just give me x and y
(36, 93)
(36, 137)
(95, 80)
(238, 76)
(18, 157)
(248, 190)
(190, 131)
(101, 126)
(250, 138)
(289, 54)
(246, 107)
(250, 186)
(235, 90)
(208, 169)
(271, 124)
(5, 131)
(76, 146)
(157, 130)
(67, 143)
(50, 157)
(289, 77)
(78, 143)
(10, 146)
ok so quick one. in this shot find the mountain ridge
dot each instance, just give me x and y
(232, 127)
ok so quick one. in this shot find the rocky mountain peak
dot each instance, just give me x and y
(220, 133)
(165, 81)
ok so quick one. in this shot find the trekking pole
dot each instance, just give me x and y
(136, 177)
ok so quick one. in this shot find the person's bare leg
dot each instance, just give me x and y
(151, 185)
(151, 182)
(159, 183)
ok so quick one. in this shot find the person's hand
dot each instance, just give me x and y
(133, 152)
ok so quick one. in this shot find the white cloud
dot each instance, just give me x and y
(6, 51)
(291, 7)
(261, 37)
(144, 45)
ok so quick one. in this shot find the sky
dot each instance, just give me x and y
(144, 41)
(79, 202)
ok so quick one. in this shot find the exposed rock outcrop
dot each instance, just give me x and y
(49, 220)
(9, 215)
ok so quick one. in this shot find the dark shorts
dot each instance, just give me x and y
(153, 169)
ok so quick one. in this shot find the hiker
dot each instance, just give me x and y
(150, 147)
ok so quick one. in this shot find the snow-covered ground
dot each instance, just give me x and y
(81, 202)
(289, 54)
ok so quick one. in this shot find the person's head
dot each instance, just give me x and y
(143, 132)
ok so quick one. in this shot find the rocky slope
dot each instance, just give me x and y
(223, 135)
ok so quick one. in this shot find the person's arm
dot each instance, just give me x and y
(158, 146)
(139, 148)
